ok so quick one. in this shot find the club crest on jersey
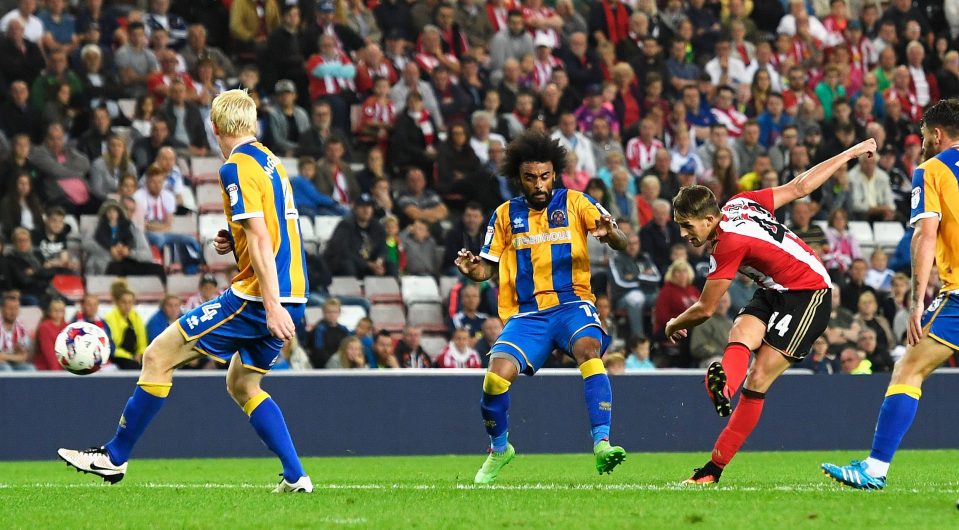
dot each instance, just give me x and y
(234, 191)
(712, 264)
(916, 195)
(558, 217)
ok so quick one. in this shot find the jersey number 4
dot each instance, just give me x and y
(775, 230)
(782, 326)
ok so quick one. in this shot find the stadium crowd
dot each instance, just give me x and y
(393, 116)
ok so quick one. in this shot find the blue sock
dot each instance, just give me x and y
(267, 421)
(895, 417)
(495, 408)
(142, 406)
(599, 398)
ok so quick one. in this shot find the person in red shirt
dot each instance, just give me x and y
(677, 295)
(458, 353)
(790, 309)
(377, 116)
(158, 83)
(52, 324)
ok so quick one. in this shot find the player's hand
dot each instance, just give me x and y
(604, 227)
(467, 262)
(222, 242)
(914, 334)
(280, 324)
(674, 335)
(867, 147)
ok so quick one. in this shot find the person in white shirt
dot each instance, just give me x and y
(787, 24)
(575, 142)
(482, 122)
(725, 68)
(32, 26)
(764, 54)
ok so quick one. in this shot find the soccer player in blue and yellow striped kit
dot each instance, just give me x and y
(537, 245)
(245, 326)
(933, 333)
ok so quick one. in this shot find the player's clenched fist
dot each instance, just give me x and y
(223, 243)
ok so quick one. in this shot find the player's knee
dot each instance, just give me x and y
(241, 390)
(586, 348)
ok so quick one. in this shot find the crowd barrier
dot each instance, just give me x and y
(437, 412)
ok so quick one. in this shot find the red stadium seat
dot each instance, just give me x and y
(70, 286)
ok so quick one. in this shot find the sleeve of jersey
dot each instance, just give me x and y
(726, 258)
(241, 185)
(764, 197)
(590, 211)
(495, 240)
(925, 195)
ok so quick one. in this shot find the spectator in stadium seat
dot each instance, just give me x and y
(747, 147)
(145, 150)
(469, 317)
(819, 360)
(711, 336)
(684, 159)
(514, 43)
(207, 290)
(15, 163)
(108, 169)
(118, 246)
(869, 318)
(24, 14)
(321, 128)
(779, 152)
(197, 49)
(415, 136)
(594, 107)
(63, 172)
(89, 312)
(855, 285)
(159, 17)
(801, 225)
(467, 233)
(20, 59)
(408, 351)
(383, 355)
(45, 357)
(93, 142)
(168, 312)
(471, 17)
(492, 327)
(184, 118)
(50, 242)
(458, 168)
(358, 244)
(15, 344)
(309, 201)
(582, 63)
(159, 206)
(575, 142)
(458, 353)
(659, 234)
(334, 177)
(59, 27)
(419, 203)
(420, 249)
(483, 135)
(331, 74)
(348, 356)
(20, 207)
(382, 195)
(871, 192)
(326, 335)
(454, 103)
(879, 276)
(135, 61)
(287, 120)
(251, 23)
(854, 362)
(635, 280)
(324, 23)
(129, 330)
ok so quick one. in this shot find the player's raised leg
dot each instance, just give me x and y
(599, 397)
(724, 378)
(243, 384)
(769, 365)
(161, 358)
(895, 415)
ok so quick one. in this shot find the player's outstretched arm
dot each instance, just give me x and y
(923, 249)
(474, 267)
(699, 312)
(811, 179)
(260, 246)
(607, 232)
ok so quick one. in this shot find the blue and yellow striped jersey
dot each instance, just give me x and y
(255, 184)
(542, 255)
(935, 193)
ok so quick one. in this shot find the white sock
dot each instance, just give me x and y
(876, 468)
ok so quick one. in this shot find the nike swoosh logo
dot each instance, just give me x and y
(98, 468)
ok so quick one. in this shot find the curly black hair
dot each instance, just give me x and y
(533, 146)
(944, 115)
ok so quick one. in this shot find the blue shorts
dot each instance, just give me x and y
(530, 339)
(942, 319)
(229, 324)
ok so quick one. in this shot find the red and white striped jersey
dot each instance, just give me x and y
(732, 119)
(543, 71)
(328, 85)
(750, 240)
(641, 156)
(427, 61)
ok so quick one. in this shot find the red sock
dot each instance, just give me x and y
(741, 424)
(735, 364)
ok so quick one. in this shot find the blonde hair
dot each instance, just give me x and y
(233, 113)
(681, 264)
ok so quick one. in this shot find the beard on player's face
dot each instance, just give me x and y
(536, 181)
(929, 144)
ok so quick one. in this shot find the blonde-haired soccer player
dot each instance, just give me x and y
(253, 318)
(934, 332)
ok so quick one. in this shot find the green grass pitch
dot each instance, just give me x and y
(783, 490)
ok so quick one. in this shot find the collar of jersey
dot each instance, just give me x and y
(241, 144)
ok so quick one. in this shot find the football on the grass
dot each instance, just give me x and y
(82, 348)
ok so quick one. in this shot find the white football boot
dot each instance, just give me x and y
(94, 460)
(303, 485)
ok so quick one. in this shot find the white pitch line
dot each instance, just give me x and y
(471, 487)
